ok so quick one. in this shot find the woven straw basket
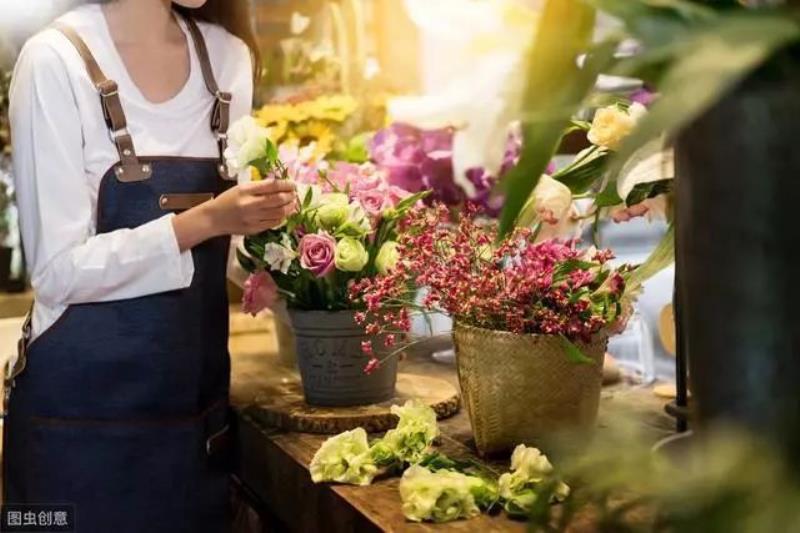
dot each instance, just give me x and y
(519, 389)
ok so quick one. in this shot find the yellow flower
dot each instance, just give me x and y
(317, 132)
(334, 107)
(612, 124)
(281, 113)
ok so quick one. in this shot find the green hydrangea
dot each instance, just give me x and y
(411, 440)
(440, 496)
(519, 488)
(345, 458)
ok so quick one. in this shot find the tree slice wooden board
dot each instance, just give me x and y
(283, 406)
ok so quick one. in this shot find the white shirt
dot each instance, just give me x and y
(62, 150)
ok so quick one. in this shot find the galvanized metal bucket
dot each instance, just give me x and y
(332, 363)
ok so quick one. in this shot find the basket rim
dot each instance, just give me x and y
(460, 325)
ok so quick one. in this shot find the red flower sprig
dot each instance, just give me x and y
(550, 288)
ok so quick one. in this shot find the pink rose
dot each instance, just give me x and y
(317, 252)
(260, 292)
(396, 194)
(374, 201)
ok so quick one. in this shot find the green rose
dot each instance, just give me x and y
(519, 489)
(387, 257)
(333, 211)
(351, 256)
(344, 458)
(441, 496)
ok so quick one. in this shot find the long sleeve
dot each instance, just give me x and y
(68, 263)
(241, 106)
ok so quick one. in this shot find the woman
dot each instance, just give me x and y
(118, 408)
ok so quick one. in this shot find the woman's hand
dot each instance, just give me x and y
(246, 209)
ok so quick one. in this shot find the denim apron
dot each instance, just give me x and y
(120, 409)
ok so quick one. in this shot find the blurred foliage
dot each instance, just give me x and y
(5, 131)
(692, 52)
(726, 482)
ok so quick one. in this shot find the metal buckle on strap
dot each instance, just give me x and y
(217, 441)
(225, 98)
(108, 89)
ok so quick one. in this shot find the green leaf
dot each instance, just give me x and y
(580, 175)
(709, 62)
(608, 197)
(246, 261)
(643, 191)
(574, 354)
(271, 153)
(661, 257)
(309, 196)
(556, 88)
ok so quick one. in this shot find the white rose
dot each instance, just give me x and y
(612, 124)
(550, 202)
(246, 142)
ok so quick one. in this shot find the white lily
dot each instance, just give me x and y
(486, 77)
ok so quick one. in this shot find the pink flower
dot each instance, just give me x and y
(317, 252)
(260, 292)
(372, 366)
(374, 201)
(395, 194)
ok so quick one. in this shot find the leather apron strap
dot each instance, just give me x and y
(221, 113)
(129, 167)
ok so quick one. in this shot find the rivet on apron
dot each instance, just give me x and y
(127, 151)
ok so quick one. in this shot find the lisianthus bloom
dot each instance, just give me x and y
(260, 292)
(333, 210)
(441, 496)
(518, 488)
(247, 141)
(387, 257)
(613, 123)
(351, 256)
(411, 439)
(317, 252)
(344, 458)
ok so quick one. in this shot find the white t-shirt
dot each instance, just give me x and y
(62, 149)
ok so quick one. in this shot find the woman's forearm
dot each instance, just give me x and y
(195, 226)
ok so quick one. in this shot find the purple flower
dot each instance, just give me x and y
(417, 159)
(317, 252)
(644, 96)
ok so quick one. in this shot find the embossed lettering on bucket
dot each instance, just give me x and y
(332, 364)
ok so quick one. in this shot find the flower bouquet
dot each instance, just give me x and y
(531, 320)
(345, 229)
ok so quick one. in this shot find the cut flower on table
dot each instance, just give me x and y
(433, 487)
(344, 458)
(520, 488)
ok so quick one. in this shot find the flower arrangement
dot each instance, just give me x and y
(550, 288)
(434, 487)
(345, 228)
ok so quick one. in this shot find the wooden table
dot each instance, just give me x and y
(272, 465)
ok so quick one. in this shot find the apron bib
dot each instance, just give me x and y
(121, 411)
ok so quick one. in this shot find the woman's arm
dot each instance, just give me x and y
(68, 263)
